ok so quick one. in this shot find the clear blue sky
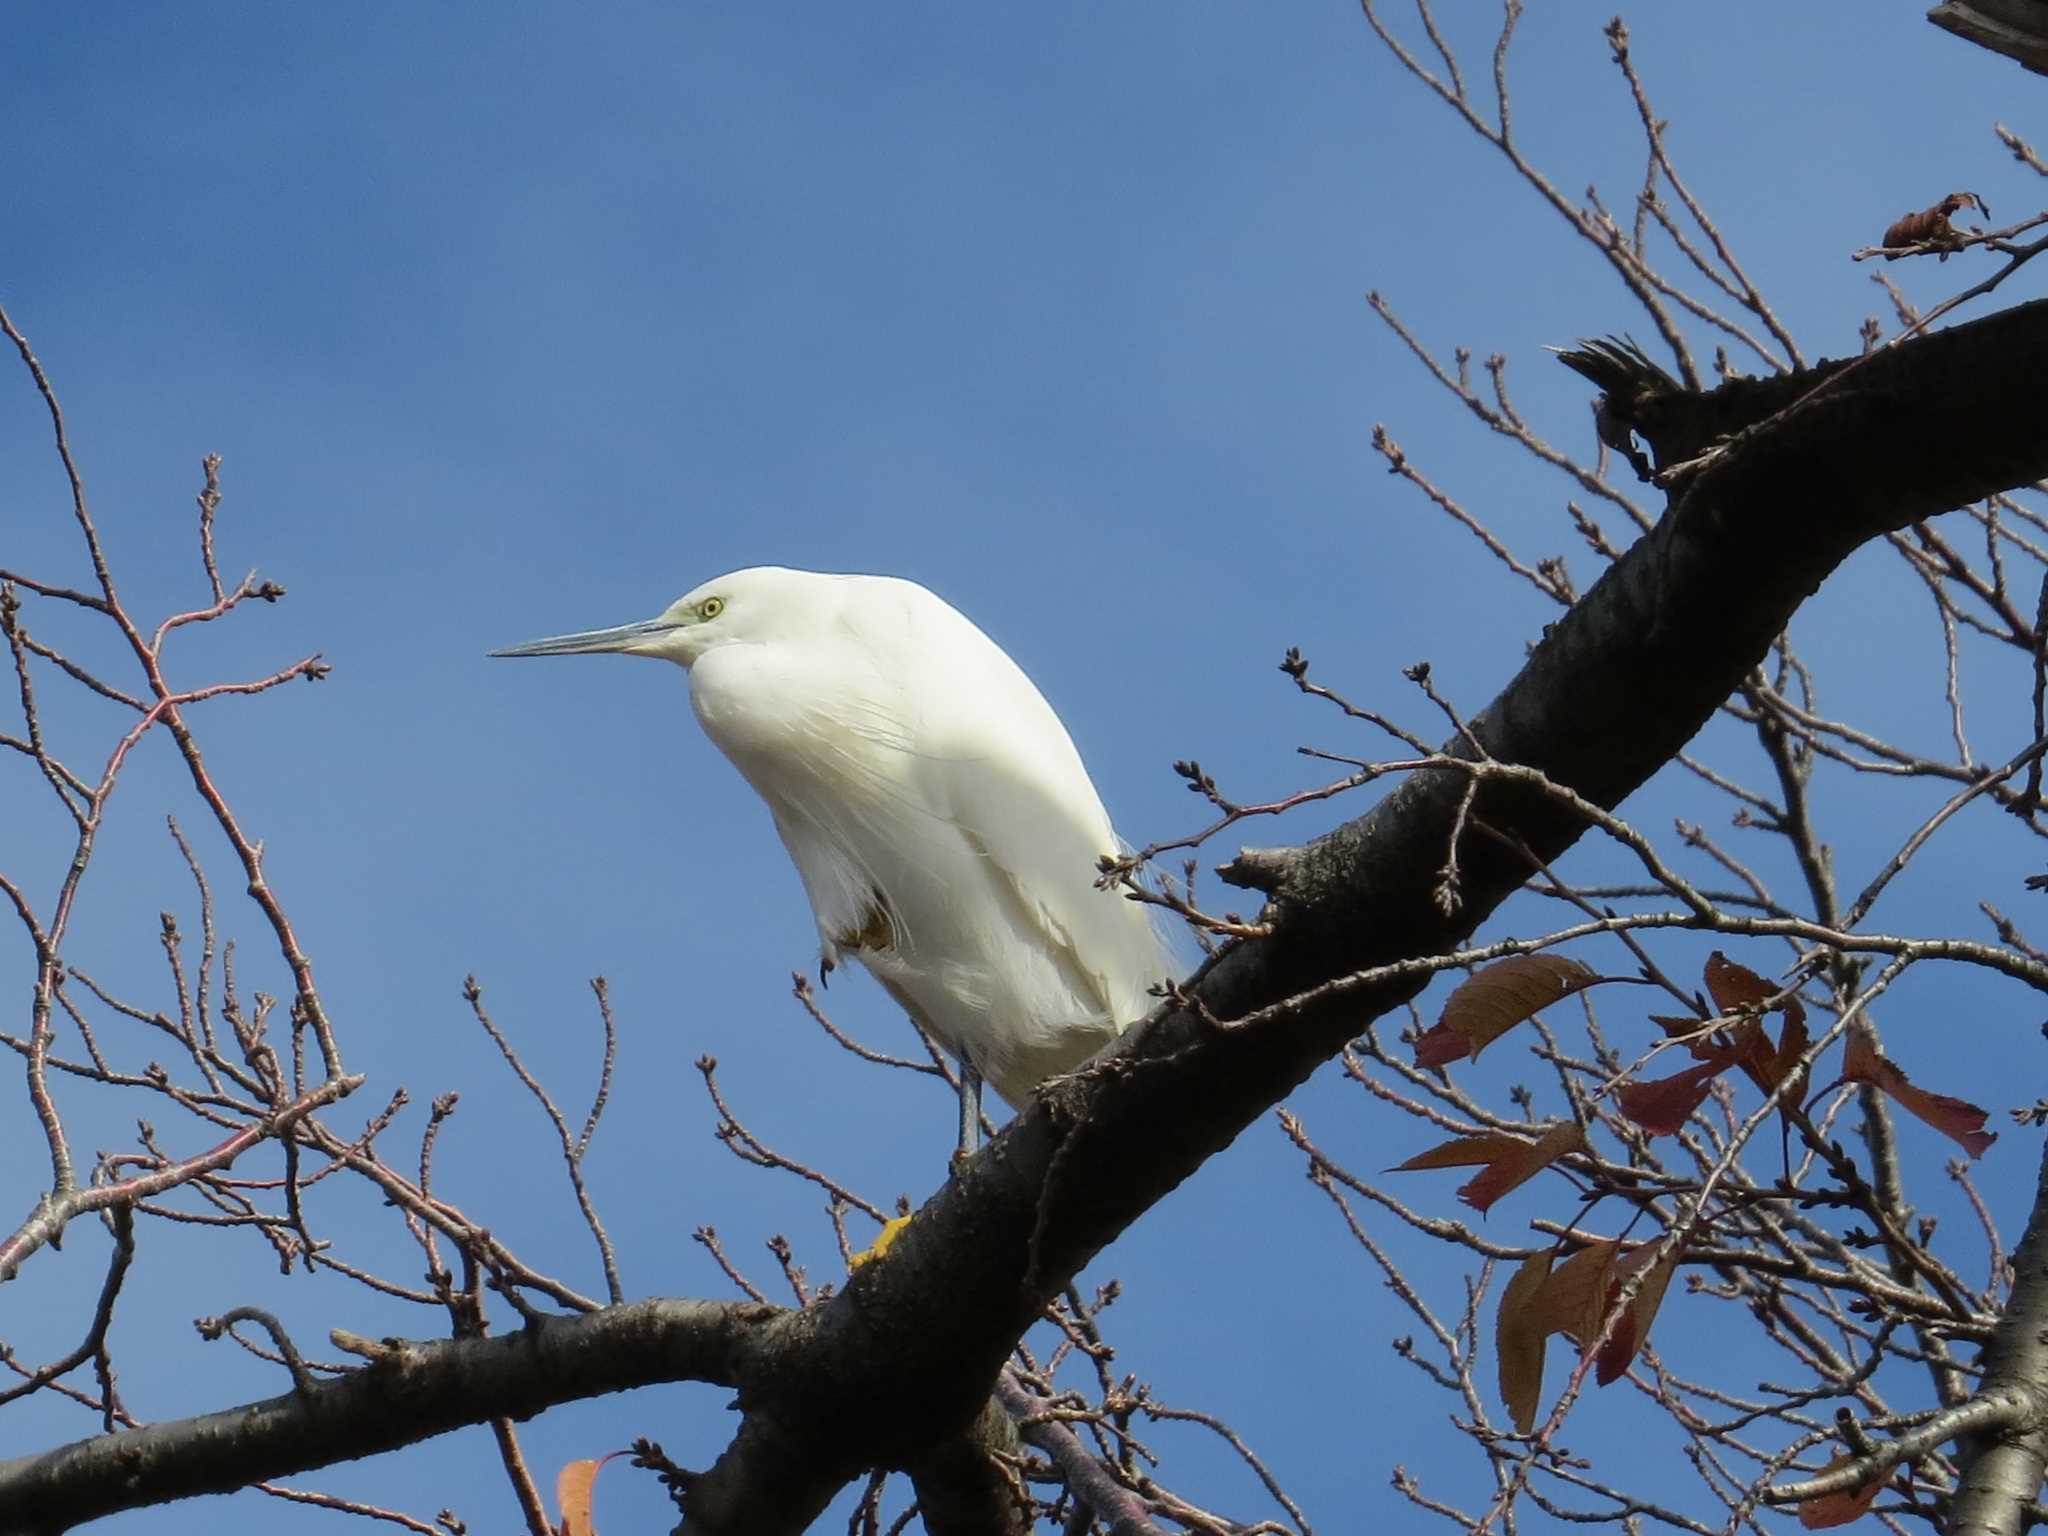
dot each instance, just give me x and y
(527, 318)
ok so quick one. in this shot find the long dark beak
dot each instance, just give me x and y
(623, 637)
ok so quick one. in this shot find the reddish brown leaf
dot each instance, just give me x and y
(1833, 1509)
(1634, 1324)
(1688, 1028)
(1960, 1121)
(1509, 991)
(1519, 1332)
(1440, 1046)
(573, 1485)
(1523, 1164)
(1752, 1051)
(1508, 1160)
(1735, 987)
(1575, 1296)
(1780, 1064)
(1662, 1107)
(1463, 1152)
(1569, 1302)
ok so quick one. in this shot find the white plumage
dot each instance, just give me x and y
(944, 827)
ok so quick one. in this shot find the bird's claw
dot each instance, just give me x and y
(884, 1241)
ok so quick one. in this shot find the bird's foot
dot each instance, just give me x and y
(1672, 476)
(884, 1240)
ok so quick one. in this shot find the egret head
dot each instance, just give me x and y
(745, 605)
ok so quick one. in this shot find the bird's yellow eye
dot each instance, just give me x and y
(711, 608)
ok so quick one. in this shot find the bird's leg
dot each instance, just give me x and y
(970, 1138)
(970, 1111)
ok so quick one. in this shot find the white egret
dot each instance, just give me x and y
(945, 829)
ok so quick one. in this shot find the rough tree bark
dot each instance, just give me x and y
(900, 1365)
(2016, 28)
(2001, 1475)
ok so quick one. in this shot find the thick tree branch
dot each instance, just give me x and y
(2001, 1472)
(409, 1392)
(1986, 1413)
(770, 1479)
(969, 1485)
(2016, 28)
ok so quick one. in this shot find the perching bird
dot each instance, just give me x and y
(945, 830)
(1640, 399)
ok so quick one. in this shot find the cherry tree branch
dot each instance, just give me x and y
(406, 1393)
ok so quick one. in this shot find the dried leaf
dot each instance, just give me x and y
(1689, 1029)
(1523, 1164)
(1634, 1324)
(1736, 988)
(1957, 1119)
(1509, 991)
(1781, 1063)
(1569, 1302)
(1832, 1509)
(1440, 1047)
(1662, 1107)
(1509, 1161)
(1752, 1051)
(573, 1485)
(1463, 1152)
(1930, 226)
(1519, 1335)
(1573, 1298)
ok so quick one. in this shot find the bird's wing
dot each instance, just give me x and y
(1042, 859)
(1014, 787)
